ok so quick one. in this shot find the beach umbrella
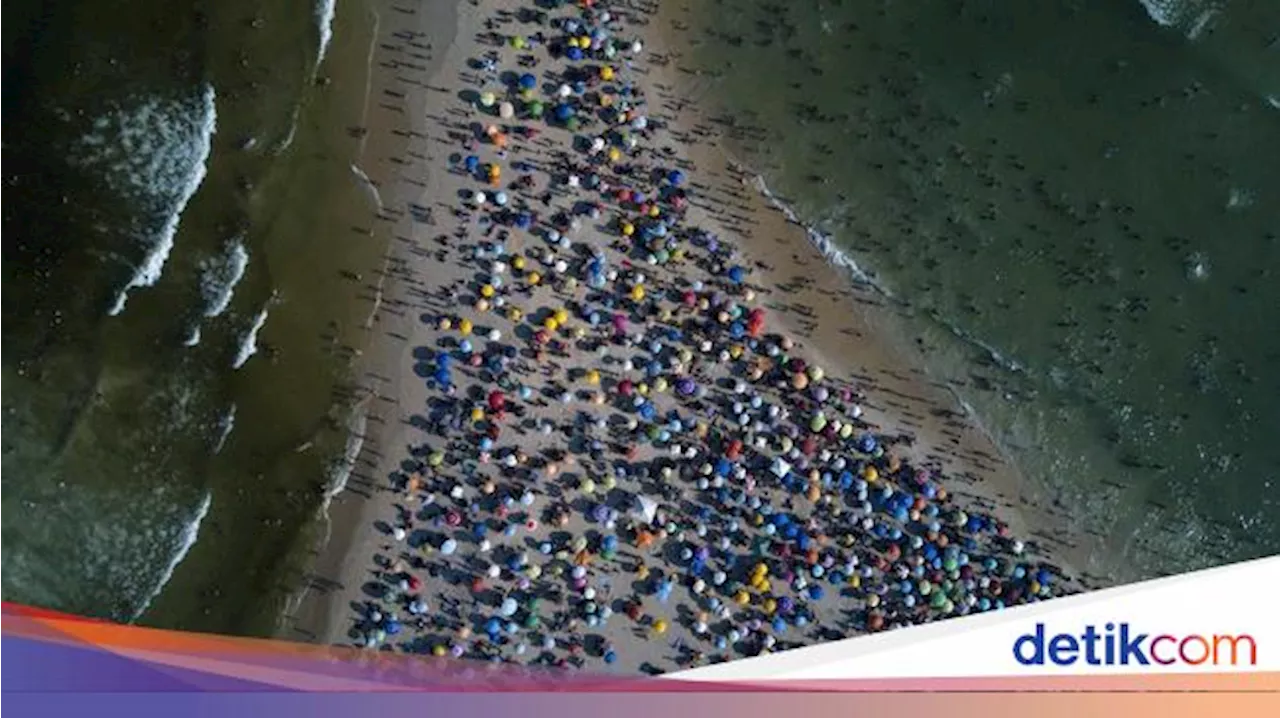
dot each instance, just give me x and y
(448, 547)
(509, 607)
(528, 81)
(536, 109)
(675, 177)
(487, 99)
(506, 111)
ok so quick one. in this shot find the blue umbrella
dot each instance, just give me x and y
(575, 54)
(867, 443)
(675, 177)
(737, 274)
(563, 112)
(472, 163)
(528, 81)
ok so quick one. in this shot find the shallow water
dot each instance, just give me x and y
(1072, 201)
(179, 302)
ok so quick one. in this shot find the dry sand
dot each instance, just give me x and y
(422, 70)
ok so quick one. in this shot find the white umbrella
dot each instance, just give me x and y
(780, 468)
(647, 508)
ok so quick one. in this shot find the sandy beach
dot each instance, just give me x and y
(621, 413)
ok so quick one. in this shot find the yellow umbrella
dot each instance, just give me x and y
(487, 291)
(464, 326)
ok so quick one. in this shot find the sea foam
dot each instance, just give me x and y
(219, 276)
(1190, 16)
(187, 539)
(325, 10)
(154, 153)
(249, 344)
(824, 242)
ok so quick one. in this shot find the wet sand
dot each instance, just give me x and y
(427, 100)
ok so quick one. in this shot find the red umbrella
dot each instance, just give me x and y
(734, 450)
(496, 401)
(626, 387)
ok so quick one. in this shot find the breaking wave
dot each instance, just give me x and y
(325, 10)
(249, 344)
(187, 539)
(1192, 17)
(153, 152)
(219, 276)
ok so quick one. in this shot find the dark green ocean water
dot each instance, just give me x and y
(177, 322)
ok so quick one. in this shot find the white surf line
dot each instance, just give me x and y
(219, 280)
(148, 273)
(823, 242)
(325, 11)
(249, 345)
(190, 533)
(228, 423)
(380, 285)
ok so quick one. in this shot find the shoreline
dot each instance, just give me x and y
(817, 309)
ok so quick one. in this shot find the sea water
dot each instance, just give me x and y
(1076, 206)
(179, 219)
